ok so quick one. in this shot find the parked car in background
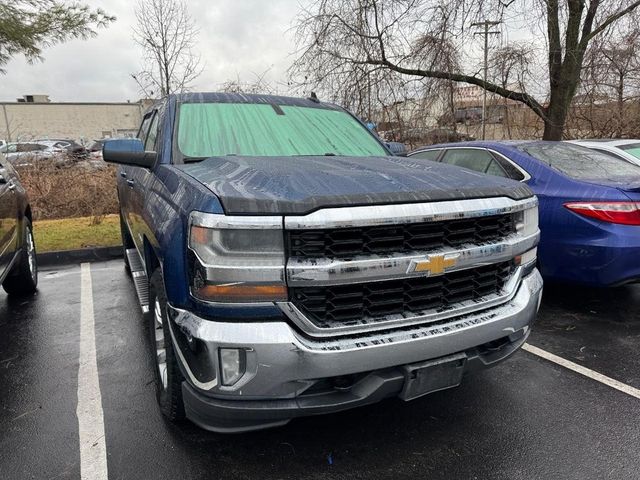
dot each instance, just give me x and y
(18, 264)
(95, 149)
(628, 150)
(71, 147)
(397, 148)
(289, 265)
(589, 210)
(61, 152)
(22, 154)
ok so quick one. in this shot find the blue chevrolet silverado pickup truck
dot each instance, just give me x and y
(288, 264)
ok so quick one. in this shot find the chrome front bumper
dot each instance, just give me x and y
(281, 363)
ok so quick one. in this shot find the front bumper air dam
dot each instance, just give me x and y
(281, 364)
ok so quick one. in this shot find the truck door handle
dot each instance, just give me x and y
(131, 183)
(123, 174)
(11, 186)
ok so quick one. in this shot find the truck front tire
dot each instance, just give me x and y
(168, 378)
(23, 280)
(127, 243)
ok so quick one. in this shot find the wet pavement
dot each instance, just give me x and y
(525, 419)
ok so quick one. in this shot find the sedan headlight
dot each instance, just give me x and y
(239, 259)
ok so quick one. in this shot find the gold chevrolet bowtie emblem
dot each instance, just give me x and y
(434, 264)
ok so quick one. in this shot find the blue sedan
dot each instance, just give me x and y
(589, 204)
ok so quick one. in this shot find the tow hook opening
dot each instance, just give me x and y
(343, 383)
(494, 346)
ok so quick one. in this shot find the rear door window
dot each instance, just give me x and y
(474, 159)
(579, 162)
(428, 155)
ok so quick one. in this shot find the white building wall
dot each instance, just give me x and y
(77, 121)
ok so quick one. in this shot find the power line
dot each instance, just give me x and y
(486, 25)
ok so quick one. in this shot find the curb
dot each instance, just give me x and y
(66, 257)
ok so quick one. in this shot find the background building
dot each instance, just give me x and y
(35, 116)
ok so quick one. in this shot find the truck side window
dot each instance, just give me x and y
(144, 128)
(474, 159)
(428, 155)
(150, 142)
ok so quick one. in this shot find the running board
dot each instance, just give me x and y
(140, 280)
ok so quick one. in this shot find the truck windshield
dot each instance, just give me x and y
(633, 149)
(265, 130)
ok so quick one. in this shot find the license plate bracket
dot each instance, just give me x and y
(432, 376)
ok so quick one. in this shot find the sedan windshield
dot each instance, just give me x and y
(269, 130)
(580, 162)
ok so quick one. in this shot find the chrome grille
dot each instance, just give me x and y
(349, 242)
(341, 305)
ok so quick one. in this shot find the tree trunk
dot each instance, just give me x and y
(556, 118)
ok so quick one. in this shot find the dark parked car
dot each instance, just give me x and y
(589, 210)
(18, 267)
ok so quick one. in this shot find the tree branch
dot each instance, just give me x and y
(521, 97)
(610, 20)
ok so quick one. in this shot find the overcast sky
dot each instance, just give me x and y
(238, 38)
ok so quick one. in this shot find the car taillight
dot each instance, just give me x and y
(624, 213)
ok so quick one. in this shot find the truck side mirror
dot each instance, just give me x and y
(128, 151)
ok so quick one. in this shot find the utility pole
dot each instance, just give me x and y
(486, 25)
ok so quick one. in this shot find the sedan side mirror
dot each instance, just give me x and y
(128, 151)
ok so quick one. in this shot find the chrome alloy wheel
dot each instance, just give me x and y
(31, 254)
(161, 354)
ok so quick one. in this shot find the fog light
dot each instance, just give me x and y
(232, 365)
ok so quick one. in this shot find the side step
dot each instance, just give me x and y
(139, 278)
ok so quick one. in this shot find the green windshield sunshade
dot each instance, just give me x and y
(218, 129)
(634, 151)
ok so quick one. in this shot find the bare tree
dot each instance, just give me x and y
(259, 84)
(167, 34)
(510, 68)
(610, 88)
(337, 34)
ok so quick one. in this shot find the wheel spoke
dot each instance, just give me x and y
(161, 354)
(31, 253)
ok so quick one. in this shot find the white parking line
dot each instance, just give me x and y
(93, 452)
(598, 377)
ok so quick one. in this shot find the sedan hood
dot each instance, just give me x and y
(299, 185)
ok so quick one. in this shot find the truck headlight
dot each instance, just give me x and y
(241, 259)
(527, 221)
(526, 226)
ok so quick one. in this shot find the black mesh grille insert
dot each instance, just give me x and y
(350, 304)
(349, 242)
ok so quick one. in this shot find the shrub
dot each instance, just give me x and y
(70, 189)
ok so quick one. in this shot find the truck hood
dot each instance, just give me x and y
(299, 185)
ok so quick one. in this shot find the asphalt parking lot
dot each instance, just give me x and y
(528, 418)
